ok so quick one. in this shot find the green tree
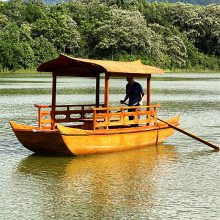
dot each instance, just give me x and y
(125, 30)
(43, 50)
(200, 23)
(89, 16)
(15, 48)
(162, 34)
(177, 51)
(34, 10)
(15, 11)
(59, 29)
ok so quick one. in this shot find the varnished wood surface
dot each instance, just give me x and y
(40, 141)
(82, 142)
(66, 65)
(46, 141)
(104, 118)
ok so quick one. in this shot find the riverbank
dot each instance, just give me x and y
(20, 71)
(192, 70)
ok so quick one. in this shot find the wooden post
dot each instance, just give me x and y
(148, 99)
(106, 90)
(39, 118)
(94, 120)
(54, 85)
(148, 90)
(97, 90)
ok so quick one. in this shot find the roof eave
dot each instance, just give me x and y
(68, 66)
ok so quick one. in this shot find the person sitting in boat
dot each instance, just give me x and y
(135, 94)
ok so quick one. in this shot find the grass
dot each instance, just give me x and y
(192, 70)
(21, 71)
(177, 70)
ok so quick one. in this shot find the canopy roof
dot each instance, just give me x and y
(66, 65)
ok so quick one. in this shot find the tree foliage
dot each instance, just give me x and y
(123, 31)
(167, 35)
(197, 2)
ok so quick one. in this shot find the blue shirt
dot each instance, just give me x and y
(134, 92)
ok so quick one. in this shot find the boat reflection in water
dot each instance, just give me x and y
(97, 186)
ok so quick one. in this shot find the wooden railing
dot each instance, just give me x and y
(97, 118)
(63, 114)
(103, 118)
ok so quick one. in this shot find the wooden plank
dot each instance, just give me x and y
(46, 121)
(124, 75)
(125, 108)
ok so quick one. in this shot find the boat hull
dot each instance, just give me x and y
(80, 142)
(71, 141)
(40, 141)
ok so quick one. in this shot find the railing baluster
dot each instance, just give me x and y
(82, 115)
(122, 116)
(155, 116)
(107, 119)
(102, 117)
(94, 120)
(68, 113)
(119, 118)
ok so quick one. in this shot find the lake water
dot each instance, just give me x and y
(177, 180)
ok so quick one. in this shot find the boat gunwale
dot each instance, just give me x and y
(96, 132)
(116, 130)
(84, 132)
(113, 131)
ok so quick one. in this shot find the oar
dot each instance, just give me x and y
(191, 135)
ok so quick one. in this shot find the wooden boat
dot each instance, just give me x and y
(94, 128)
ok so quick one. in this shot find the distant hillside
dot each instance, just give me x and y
(166, 35)
(196, 2)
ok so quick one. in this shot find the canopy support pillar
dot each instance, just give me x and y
(106, 102)
(97, 90)
(148, 91)
(54, 88)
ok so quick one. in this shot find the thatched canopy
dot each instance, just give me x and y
(66, 65)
